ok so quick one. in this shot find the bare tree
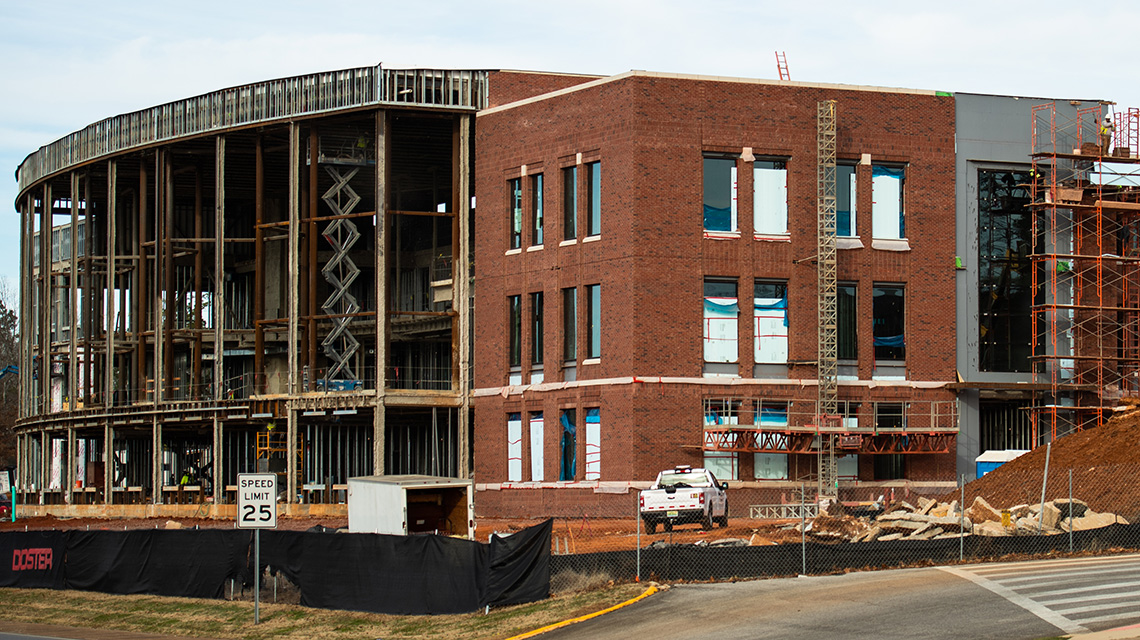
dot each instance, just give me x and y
(9, 355)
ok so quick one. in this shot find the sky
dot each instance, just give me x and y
(66, 64)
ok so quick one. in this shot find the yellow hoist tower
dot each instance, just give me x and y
(827, 369)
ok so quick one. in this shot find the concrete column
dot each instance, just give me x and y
(67, 469)
(381, 269)
(44, 310)
(73, 300)
(294, 267)
(291, 454)
(108, 463)
(219, 451)
(219, 297)
(109, 333)
(45, 461)
(461, 287)
(156, 456)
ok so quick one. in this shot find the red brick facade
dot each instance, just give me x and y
(649, 132)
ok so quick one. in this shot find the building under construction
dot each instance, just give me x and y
(282, 277)
(265, 278)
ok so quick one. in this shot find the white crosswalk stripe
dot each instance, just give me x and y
(1075, 594)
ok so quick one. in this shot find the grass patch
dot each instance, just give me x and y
(234, 619)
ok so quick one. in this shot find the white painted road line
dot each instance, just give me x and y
(1039, 610)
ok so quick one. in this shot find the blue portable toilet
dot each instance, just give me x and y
(995, 458)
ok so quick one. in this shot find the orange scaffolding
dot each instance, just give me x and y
(1086, 266)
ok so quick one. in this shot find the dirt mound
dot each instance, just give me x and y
(1104, 462)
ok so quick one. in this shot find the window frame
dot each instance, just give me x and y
(593, 198)
(715, 290)
(514, 213)
(514, 330)
(537, 324)
(852, 320)
(593, 321)
(780, 285)
(781, 212)
(883, 223)
(850, 186)
(570, 324)
(889, 346)
(537, 188)
(570, 202)
(729, 162)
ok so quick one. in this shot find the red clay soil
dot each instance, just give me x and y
(1105, 462)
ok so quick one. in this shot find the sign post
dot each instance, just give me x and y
(257, 510)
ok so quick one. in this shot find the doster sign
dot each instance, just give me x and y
(257, 501)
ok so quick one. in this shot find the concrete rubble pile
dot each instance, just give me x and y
(933, 520)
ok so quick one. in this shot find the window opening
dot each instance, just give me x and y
(770, 196)
(594, 199)
(1004, 271)
(845, 198)
(845, 311)
(537, 331)
(721, 310)
(720, 194)
(888, 321)
(770, 304)
(887, 214)
(593, 444)
(569, 453)
(771, 466)
(514, 198)
(536, 194)
(593, 321)
(536, 447)
(570, 324)
(514, 447)
(514, 303)
(570, 202)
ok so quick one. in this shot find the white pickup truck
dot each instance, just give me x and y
(682, 495)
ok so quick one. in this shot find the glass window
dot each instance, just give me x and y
(514, 447)
(845, 197)
(887, 215)
(570, 202)
(770, 196)
(721, 312)
(594, 199)
(569, 446)
(593, 444)
(536, 187)
(847, 346)
(536, 327)
(593, 321)
(514, 304)
(1004, 275)
(570, 324)
(722, 464)
(770, 310)
(514, 199)
(537, 466)
(888, 321)
(720, 194)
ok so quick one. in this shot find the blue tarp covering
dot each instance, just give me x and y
(718, 218)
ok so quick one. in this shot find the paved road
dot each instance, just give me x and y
(1008, 601)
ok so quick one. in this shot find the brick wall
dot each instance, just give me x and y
(652, 255)
(509, 86)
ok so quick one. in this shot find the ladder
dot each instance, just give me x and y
(782, 66)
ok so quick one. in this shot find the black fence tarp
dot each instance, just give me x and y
(33, 559)
(364, 572)
(411, 574)
(692, 562)
(184, 563)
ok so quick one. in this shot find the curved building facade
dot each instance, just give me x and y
(264, 278)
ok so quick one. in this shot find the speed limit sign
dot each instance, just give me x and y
(257, 501)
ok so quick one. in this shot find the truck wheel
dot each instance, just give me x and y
(724, 518)
(706, 522)
(651, 527)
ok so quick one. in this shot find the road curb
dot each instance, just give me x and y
(565, 623)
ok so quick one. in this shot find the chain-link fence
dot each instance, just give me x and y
(1071, 509)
